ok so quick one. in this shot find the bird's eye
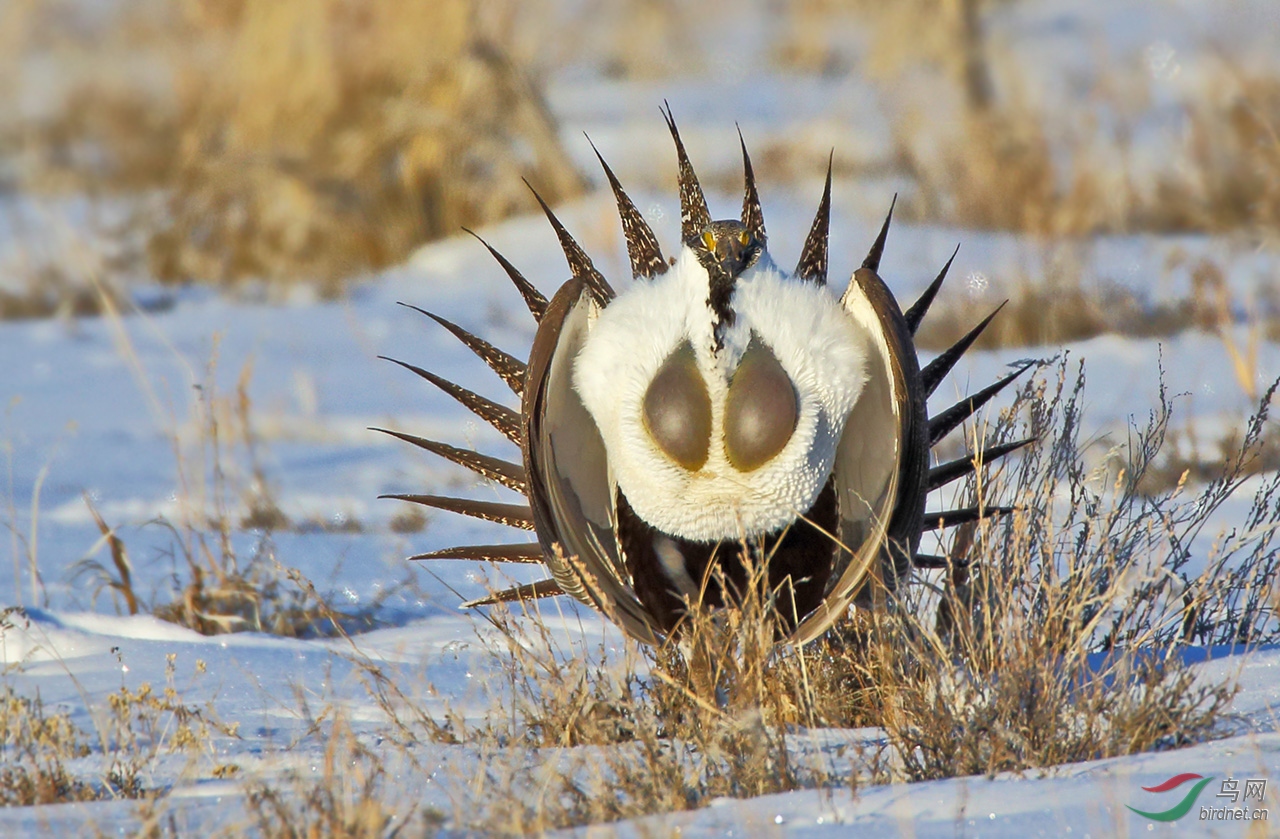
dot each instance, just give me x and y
(761, 410)
(709, 239)
(745, 238)
(677, 410)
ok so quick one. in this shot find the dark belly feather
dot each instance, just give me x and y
(800, 560)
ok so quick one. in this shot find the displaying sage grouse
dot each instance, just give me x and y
(716, 402)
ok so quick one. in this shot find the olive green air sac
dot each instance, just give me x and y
(761, 411)
(677, 410)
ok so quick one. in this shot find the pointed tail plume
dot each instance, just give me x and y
(813, 258)
(694, 216)
(752, 215)
(642, 246)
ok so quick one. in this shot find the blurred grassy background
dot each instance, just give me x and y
(318, 140)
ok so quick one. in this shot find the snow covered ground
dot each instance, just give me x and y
(110, 409)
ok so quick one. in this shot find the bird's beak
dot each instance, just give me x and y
(732, 256)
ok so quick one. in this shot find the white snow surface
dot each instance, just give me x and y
(109, 410)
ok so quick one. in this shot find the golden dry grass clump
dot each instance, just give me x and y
(984, 152)
(1232, 147)
(34, 745)
(309, 139)
(1012, 167)
(45, 758)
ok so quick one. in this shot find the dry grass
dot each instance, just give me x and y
(1016, 167)
(1232, 176)
(35, 746)
(224, 496)
(984, 153)
(49, 293)
(319, 139)
(584, 736)
(1056, 634)
(134, 729)
(1061, 306)
(348, 800)
(1057, 309)
(1054, 637)
(305, 139)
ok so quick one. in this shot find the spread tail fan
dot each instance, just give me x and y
(598, 535)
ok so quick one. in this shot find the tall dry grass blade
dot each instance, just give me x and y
(119, 558)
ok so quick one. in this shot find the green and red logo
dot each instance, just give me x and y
(1184, 806)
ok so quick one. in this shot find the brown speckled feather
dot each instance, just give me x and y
(694, 215)
(642, 246)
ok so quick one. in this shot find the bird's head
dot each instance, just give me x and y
(728, 247)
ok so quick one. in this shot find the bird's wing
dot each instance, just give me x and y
(568, 471)
(880, 462)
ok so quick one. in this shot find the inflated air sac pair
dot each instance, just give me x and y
(760, 412)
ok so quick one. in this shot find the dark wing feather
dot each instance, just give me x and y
(952, 470)
(872, 262)
(936, 370)
(580, 265)
(918, 309)
(962, 515)
(512, 515)
(499, 416)
(881, 462)
(526, 552)
(528, 591)
(569, 489)
(932, 561)
(944, 423)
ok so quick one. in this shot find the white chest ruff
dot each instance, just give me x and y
(821, 349)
